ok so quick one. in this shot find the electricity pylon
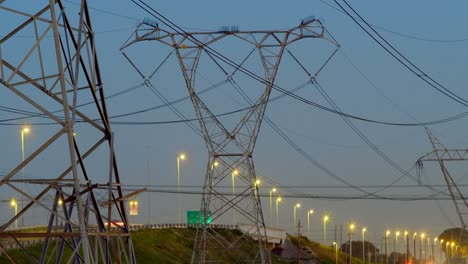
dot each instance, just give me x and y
(230, 151)
(49, 64)
(441, 154)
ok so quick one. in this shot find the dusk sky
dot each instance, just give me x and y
(361, 78)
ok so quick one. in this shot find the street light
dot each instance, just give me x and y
(233, 175)
(432, 251)
(60, 203)
(336, 252)
(278, 199)
(311, 211)
(451, 251)
(395, 249)
(14, 204)
(298, 205)
(414, 244)
(421, 240)
(363, 251)
(325, 220)
(395, 245)
(440, 249)
(387, 234)
(272, 190)
(406, 246)
(256, 184)
(447, 255)
(24, 130)
(179, 158)
(350, 233)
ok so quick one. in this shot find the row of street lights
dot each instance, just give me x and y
(424, 239)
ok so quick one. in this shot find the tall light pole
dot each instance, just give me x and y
(14, 204)
(432, 251)
(395, 249)
(387, 234)
(406, 246)
(297, 205)
(447, 255)
(325, 220)
(336, 251)
(426, 244)
(363, 251)
(414, 244)
(179, 158)
(421, 240)
(350, 233)
(233, 176)
(256, 184)
(451, 250)
(278, 199)
(310, 212)
(272, 190)
(24, 130)
(440, 249)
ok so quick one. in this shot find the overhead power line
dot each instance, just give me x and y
(399, 33)
(397, 55)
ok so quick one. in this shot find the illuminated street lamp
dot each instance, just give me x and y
(387, 234)
(336, 252)
(395, 248)
(447, 252)
(421, 241)
(406, 246)
(325, 220)
(350, 233)
(432, 251)
(310, 212)
(256, 184)
(272, 190)
(363, 251)
(233, 176)
(24, 130)
(451, 251)
(440, 249)
(278, 199)
(179, 158)
(14, 204)
(414, 244)
(298, 205)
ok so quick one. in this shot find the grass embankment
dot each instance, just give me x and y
(163, 246)
(324, 254)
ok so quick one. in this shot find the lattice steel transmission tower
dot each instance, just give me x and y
(49, 68)
(230, 151)
(441, 154)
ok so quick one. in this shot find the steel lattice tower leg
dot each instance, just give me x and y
(59, 69)
(229, 151)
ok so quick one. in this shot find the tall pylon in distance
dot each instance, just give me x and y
(49, 69)
(230, 146)
(441, 155)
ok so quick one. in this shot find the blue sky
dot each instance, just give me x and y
(395, 95)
